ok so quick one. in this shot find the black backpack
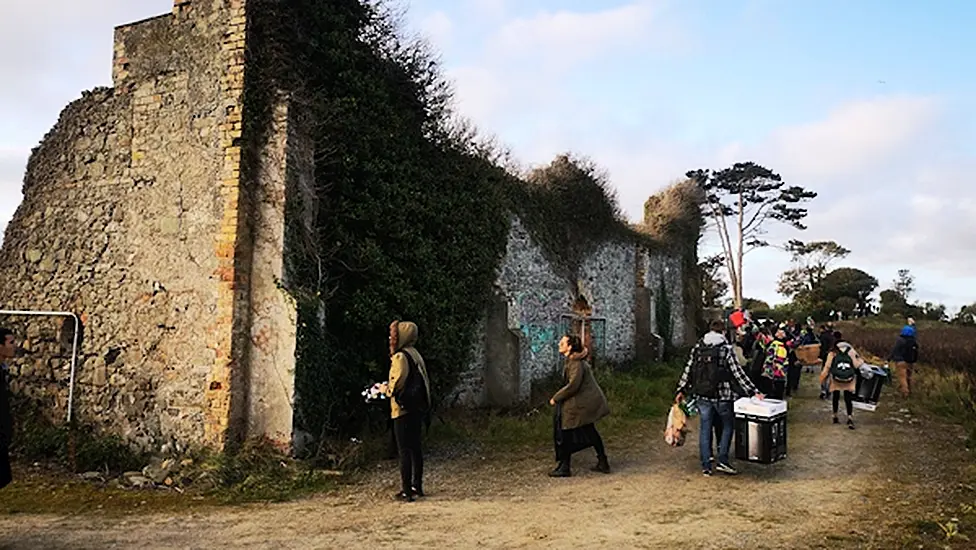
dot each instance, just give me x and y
(413, 397)
(709, 371)
(842, 367)
(911, 350)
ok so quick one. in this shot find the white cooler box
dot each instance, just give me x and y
(760, 430)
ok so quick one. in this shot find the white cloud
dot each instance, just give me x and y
(853, 137)
(438, 28)
(523, 62)
(566, 38)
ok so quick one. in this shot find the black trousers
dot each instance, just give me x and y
(848, 402)
(408, 437)
(793, 372)
(773, 389)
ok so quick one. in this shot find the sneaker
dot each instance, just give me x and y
(836, 421)
(707, 473)
(419, 493)
(403, 496)
(850, 423)
(727, 469)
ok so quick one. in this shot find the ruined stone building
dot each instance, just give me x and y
(133, 219)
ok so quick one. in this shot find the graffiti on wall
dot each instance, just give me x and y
(539, 337)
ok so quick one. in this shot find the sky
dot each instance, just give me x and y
(872, 104)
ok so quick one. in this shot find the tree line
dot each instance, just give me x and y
(740, 203)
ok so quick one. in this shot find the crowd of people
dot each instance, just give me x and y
(752, 359)
(760, 359)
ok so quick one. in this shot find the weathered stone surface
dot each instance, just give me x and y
(541, 309)
(131, 218)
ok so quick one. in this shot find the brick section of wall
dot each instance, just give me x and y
(219, 388)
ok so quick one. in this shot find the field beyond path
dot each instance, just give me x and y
(868, 488)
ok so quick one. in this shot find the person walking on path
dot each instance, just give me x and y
(409, 393)
(579, 404)
(773, 380)
(904, 355)
(7, 350)
(840, 370)
(709, 375)
(826, 344)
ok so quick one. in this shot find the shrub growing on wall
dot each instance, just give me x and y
(570, 207)
(411, 223)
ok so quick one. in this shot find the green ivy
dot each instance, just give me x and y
(412, 214)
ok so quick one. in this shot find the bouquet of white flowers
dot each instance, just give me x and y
(374, 392)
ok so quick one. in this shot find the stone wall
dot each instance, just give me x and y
(540, 308)
(133, 218)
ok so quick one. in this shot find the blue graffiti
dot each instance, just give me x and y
(539, 337)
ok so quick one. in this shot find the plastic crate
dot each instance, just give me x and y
(760, 439)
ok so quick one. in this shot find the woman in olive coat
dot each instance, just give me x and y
(580, 403)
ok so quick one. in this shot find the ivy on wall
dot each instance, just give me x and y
(411, 209)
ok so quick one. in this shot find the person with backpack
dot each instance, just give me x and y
(713, 375)
(904, 355)
(840, 369)
(773, 379)
(409, 393)
(579, 404)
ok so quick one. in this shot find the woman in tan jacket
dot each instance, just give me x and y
(579, 404)
(839, 350)
(406, 364)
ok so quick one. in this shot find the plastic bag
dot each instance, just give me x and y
(674, 432)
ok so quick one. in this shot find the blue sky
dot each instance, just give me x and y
(871, 103)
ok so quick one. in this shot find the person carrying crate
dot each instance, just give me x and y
(710, 374)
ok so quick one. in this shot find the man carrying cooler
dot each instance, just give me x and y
(709, 375)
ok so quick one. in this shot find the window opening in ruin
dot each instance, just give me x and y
(591, 330)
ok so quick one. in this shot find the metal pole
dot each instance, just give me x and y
(74, 344)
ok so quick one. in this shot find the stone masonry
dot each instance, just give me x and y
(539, 306)
(140, 216)
(163, 212)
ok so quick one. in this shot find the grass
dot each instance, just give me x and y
(46, 481)
(943, 386)
(637, 398)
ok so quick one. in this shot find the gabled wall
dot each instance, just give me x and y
(538, 304)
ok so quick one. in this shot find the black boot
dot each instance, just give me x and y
(602, 465)
(562, 470)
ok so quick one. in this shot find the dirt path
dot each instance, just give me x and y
(837, 489)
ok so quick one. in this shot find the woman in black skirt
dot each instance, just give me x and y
(580, 403)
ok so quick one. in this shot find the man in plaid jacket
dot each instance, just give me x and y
(718, 401)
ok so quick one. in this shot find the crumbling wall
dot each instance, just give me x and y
(607, 281)
(540, 303)
(130, 218)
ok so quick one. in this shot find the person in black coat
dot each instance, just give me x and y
(904, 355)
(7, 349)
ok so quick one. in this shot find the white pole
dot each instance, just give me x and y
(74, 343)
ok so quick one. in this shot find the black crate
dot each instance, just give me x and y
(760, 439)
(868, 391)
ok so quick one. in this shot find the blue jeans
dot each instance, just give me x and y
(707, 409)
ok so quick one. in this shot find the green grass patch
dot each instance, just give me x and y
(638, 397)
